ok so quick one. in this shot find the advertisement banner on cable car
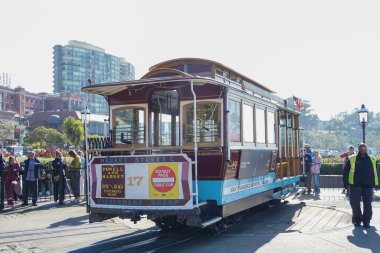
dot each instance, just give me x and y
(141, 181)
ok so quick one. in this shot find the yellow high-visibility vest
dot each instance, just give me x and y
(352, 169)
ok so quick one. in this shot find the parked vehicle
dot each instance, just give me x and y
(15, 150)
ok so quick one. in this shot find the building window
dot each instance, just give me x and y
(235, 119)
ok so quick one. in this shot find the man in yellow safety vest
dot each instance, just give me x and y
(362, 179)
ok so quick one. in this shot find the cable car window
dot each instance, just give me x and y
(260, 125)
(208, 122)
(179, 67)
(164, 118)
(290, 141)
(129, 125)
(235, 119)
(198, 68)
(290, 120)
(248, 123)
(219, 71)
(282, 134)
(271, 127)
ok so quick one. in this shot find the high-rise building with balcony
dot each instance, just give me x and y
(77, 62)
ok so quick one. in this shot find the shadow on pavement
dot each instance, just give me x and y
(41, 206)
(365, 238)
(113, 243)
(76, 221)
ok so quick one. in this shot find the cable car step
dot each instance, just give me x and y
(207, 221)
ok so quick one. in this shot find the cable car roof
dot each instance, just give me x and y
(165, 63)
(107, 89)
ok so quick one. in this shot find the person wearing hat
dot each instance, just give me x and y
(345, 156)
(31, 174)
(362, 178)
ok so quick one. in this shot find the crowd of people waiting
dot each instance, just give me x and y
(313, 161)
(360, 178)
(27, 178)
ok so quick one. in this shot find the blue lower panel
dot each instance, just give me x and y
(234, 189)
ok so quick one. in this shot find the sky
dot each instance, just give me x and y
(326, 52)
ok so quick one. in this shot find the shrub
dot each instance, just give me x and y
(331, 169)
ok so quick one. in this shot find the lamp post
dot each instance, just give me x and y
(363, 119)
(85, 116)
(105, 127)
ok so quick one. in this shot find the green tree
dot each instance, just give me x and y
(73, 130)
(5, 130)
(45, 137)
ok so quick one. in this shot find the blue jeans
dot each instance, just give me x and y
(316, 183)
(75, 182)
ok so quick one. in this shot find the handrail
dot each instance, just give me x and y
(130, 149)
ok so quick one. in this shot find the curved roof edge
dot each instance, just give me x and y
(169, 70)
(158, 65)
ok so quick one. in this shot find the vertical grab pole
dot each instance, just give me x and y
(87, 171)
(292, 149)
(228, 128)
(280, 146)
(303, 155)
(195, 142)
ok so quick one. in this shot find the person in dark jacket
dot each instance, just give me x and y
(59, 178)
(30, 175)
(308, 154)
(12, 180)
(346, 169)
(362, 179)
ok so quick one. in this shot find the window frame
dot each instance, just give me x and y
(236, 143)
(270, 110)
(113, 125)
(263, 108)
(150, 119)
(182, 122)
(252, 106)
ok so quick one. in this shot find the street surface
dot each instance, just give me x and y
(305, 224)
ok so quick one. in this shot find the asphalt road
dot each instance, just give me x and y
(305, 224)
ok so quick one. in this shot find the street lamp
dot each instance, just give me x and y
(85, 117)
(363, 119)
(105, 129)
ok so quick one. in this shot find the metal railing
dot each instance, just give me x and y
(331, 176)
(40, 197)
